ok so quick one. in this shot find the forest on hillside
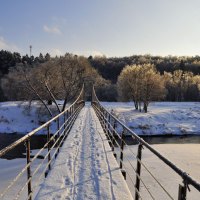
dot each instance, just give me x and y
(181, 74)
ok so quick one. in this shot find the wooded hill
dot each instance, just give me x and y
(110, 69)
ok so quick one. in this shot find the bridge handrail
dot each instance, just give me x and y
(27, 136)
(186, 178)
(54, 142)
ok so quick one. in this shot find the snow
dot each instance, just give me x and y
(16, 117)
(184, 156)
(11, 168)
(85, 167)
(177, 118)
(173, 118)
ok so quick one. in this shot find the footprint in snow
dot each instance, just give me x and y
(76, 142)
(57, 197)
(114, 182)
(67, 181)
(99, 172)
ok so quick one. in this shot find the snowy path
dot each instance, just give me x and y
(85, 167)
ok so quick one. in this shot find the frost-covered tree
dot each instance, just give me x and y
(140, 83)
(181, 86)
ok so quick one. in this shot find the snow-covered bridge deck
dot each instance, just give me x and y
(85, 167)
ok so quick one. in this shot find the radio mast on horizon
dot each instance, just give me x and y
(30, 50)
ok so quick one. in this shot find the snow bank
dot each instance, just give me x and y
(17, 117)
(177, 118)
(173, 118)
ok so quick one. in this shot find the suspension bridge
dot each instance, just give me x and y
(86, 157)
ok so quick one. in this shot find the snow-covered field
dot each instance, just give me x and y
(17, 117)
(177, 118)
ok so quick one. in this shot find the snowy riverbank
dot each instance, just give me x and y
(18, 117)
(171, 118)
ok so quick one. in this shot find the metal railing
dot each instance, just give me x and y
(116, 132)
(50, 150)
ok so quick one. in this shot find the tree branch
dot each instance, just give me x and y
(33, 89)
(52, 96)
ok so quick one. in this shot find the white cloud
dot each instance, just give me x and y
(5, 45)
(53, 29)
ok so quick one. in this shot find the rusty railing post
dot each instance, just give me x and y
(122, 154)
(108, 130)
(109, 123)
(113, 133)
(101, 117)
(182, 192)
(68, 116)
(49, 148)
(28, 160)
(64, 119)
(71, 111)
(138, 171)
(105, 123)
(58, 127)
(121, 150)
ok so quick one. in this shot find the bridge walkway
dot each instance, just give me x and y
(85, 167)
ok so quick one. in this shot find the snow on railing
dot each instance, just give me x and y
(116, 133)
(55, 140)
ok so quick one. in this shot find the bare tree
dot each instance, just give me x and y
(58, 79)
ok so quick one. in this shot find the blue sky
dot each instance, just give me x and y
(101, 27)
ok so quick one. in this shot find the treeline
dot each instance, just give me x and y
(110, 68)
(9, 60)
(181, 74)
